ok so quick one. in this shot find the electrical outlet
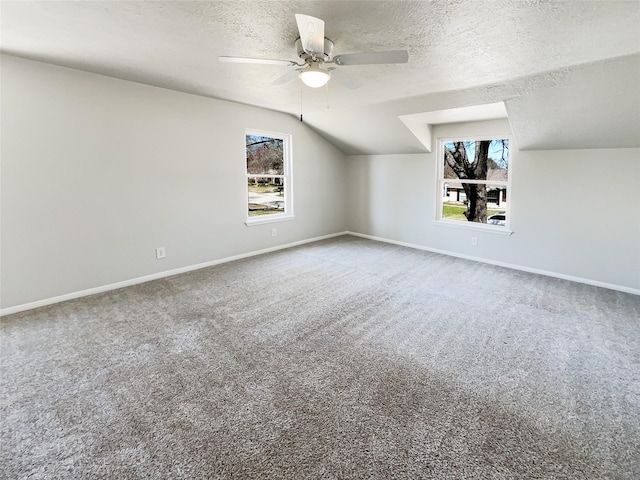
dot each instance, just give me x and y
(274, 232)
(160, 253)
(474, 241)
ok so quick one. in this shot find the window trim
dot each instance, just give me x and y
(287, 159)
(438, 220)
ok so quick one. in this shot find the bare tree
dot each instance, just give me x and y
(457, 159)
(264, 156)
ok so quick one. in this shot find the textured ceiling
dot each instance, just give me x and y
(552, 63)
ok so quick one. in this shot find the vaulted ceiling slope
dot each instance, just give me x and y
(568, 72)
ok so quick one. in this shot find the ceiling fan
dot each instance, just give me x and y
(316, 51)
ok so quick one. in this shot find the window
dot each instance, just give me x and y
(473, 183)
(268, 158)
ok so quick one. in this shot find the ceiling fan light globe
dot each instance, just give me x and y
(314, 77)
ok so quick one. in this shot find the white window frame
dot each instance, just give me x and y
(287, 150)
(440, 181)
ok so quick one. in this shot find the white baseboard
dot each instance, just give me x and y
(189, 268)
(512, 266)
(155, 276)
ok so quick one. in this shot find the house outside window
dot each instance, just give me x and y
(268, 167)
(474, 183)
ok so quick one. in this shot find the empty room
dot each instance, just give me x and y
(320, 239)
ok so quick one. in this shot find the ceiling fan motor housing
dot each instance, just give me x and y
(326, 56)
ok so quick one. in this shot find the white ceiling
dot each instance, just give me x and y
(568, 71)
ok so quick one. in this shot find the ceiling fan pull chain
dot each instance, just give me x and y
(328, 106)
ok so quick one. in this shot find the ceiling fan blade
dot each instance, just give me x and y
(373, 58)
(262, 61)
(311, 34)
(287, 77)
(345, 79)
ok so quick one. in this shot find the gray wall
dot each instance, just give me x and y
(98, 172)
(574, 212)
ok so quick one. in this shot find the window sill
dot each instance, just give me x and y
(471, 226)
(268, 219)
